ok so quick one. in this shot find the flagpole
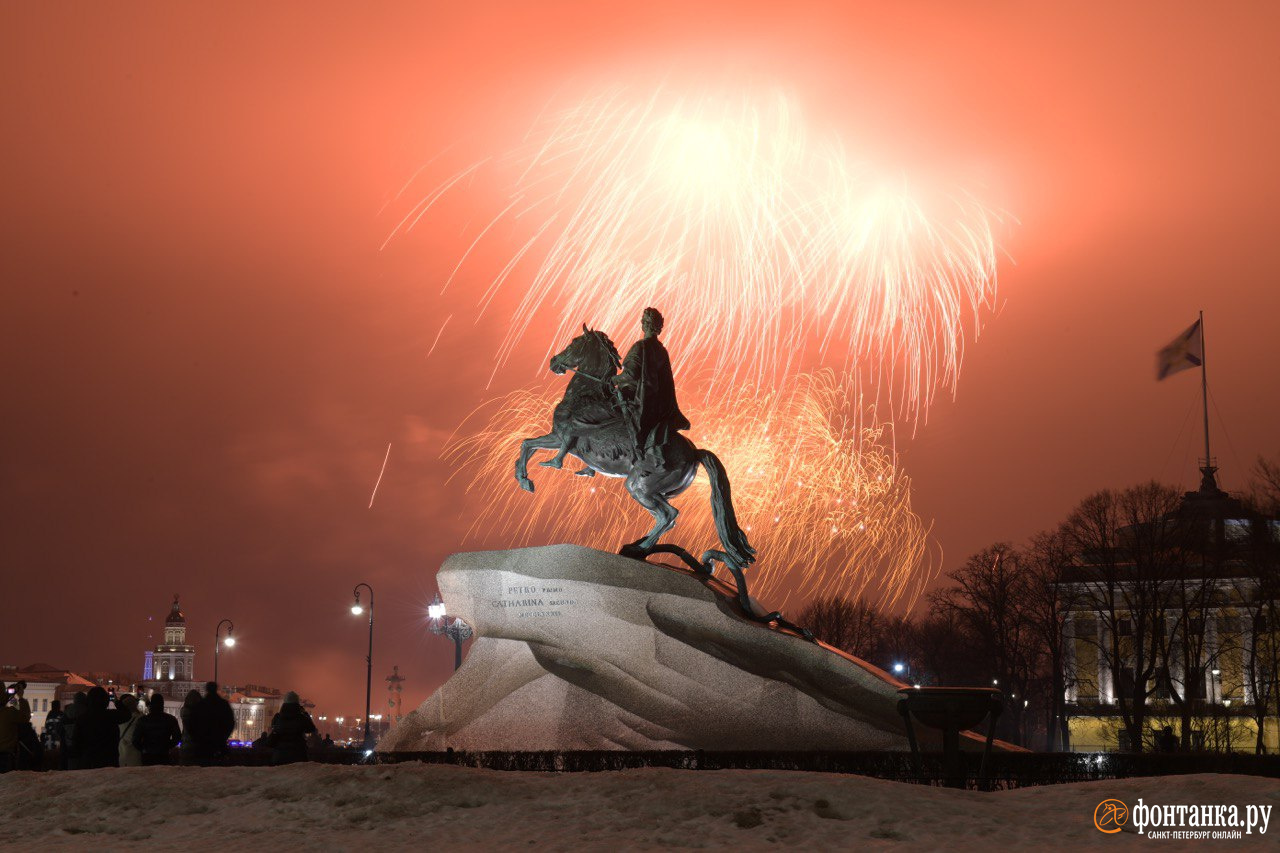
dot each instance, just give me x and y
(1204, 390)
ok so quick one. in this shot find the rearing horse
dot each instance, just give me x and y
(589, 424)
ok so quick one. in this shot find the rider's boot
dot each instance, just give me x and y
(588, 471)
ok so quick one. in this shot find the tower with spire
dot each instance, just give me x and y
(172, 663)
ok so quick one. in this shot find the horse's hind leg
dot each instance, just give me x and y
(664, 514)
(550, 441)
(558, 460)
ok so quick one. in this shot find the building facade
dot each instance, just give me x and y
(254, 707)
(1174, 624)
(169, 668)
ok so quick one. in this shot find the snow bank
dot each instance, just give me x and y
(324, 807)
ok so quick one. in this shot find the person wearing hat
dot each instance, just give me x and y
(289, 730)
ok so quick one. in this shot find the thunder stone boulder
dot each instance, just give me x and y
(579, 649)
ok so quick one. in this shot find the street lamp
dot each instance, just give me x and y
(356, 610)
(217, 646)
(1213, 702)
(457, 630)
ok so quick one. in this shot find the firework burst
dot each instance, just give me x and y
(729, 214)
(772, 251)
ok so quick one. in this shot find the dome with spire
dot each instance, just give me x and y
(175, 614)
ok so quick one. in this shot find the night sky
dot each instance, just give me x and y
(206, 351)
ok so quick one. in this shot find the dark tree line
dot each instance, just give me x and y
(1128, 574)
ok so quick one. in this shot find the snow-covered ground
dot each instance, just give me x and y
(324, 807)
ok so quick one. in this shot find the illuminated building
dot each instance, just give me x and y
(169, 669)
(1177, 616)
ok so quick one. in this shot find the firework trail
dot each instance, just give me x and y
(381, 471)
(439, 334)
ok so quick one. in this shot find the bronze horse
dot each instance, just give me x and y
(591, 424)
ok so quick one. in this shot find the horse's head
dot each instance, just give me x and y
(590, 352)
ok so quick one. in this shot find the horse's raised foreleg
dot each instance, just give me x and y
(550, 441)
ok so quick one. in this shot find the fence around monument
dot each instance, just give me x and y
(1005, 771)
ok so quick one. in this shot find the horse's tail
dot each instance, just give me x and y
(732, 537)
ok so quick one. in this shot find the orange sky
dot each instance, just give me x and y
(206, 353)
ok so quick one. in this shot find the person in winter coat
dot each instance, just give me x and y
(129, 754)
(188, 734)
(25, 752)
(10, 730)
(98, 733)
(53, 732)
(156, 734)
(212, 722)
(289, 730)
(75, 712)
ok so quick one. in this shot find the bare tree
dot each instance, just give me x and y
(989, 603)
(851, 626)
(1257, 598)
(1264, 486)
(898, 642)
(1051, 600)
(942, 654)
(1127, 551)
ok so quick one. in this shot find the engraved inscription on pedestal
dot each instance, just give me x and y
(523, 598)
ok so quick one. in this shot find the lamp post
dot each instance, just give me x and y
(457, 630)
(356, 610)
(1213, 702)
(217, 645)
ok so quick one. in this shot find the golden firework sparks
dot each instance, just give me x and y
(730, 213)
(817, 491)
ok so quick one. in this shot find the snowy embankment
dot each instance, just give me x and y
(324, 807)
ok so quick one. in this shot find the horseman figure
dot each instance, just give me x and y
(647, 380)
(621, 418)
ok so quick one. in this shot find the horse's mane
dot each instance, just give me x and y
(613, 350)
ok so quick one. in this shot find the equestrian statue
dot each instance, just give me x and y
(620, 418)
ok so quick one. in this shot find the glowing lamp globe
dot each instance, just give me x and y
(229, 641)
(436, 610)
(356, 609)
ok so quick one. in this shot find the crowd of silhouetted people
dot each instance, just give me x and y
(99, 730)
